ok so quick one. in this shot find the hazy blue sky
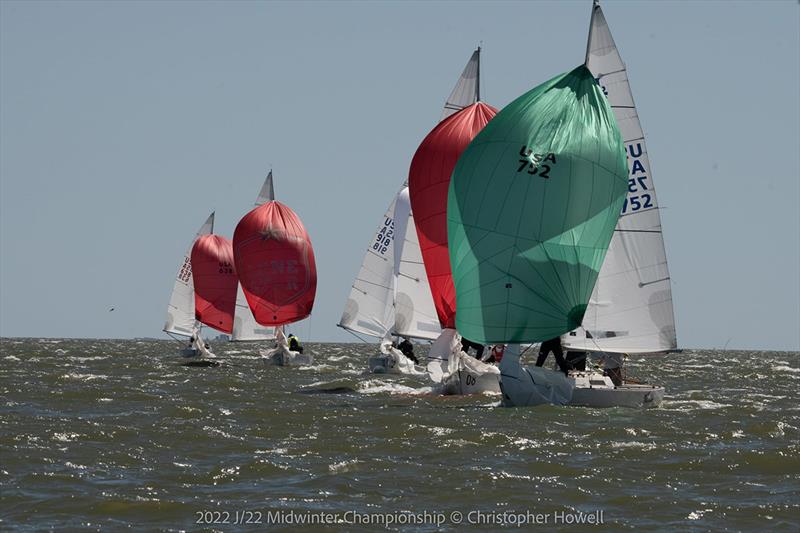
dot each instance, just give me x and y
(123, 124)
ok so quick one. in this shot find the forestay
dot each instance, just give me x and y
(532, 205)
(180, 311)
(631, 307)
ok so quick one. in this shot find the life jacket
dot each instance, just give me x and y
(497, 352)
(293, 340)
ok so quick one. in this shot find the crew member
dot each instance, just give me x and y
(294, 343)
(496, 353)
(553, 345)
(467, 344)
(612, 367)
(408, 350)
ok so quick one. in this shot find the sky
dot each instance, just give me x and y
(124, 124)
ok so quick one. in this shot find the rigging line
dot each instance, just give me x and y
(353, 333)
(642, 284)
(638, 231)
(612, 72)
(371, 283)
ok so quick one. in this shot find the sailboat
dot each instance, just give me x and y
(181, 320)
(245, 327)
(429, 177)
(277, 271)
(388, 297)
(215, 284)
(391, 295)
(630, 310)
(532, 206)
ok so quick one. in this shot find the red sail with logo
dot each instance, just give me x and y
(215, 282)
(428, 181)
(275, 263)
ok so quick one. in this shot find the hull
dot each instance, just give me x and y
(626, 395)
(386, 364)
(589, 389)
(289, 358)
(189, 352)
(466, 381)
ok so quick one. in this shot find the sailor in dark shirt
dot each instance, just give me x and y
(553, 345)
(467, 344)
(408, 350)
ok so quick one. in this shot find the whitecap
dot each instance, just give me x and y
(342, 466)
(65, 437)
(83, 377)
(374, 386)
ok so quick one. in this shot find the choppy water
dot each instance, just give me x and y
(116, 434)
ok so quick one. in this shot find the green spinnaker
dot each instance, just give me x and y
(532, 206)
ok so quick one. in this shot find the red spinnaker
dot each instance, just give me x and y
(428, 180)
(275, 263)
(215, 282)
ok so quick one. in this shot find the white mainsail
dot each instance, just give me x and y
(180, 311)
(370, 306)
(414, 311)
(391, 291)
(467, 89)
(630, 309)
(245, 327)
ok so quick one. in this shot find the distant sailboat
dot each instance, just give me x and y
(245, 327)
(275, 263)
(181, 320)
(533, 202)
(391, 295)
(215, 284)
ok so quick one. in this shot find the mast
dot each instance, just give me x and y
(595, 7)
(478, 76)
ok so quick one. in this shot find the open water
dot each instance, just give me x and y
(111, 435)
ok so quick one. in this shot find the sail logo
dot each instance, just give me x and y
(384, 237)
(640, 196)
(535, 164)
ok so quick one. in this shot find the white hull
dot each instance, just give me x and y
(282, 356)
(189, 352)
(525, 387)
(386, 364)
(466, 381)
(593, 389)
(290, 358)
